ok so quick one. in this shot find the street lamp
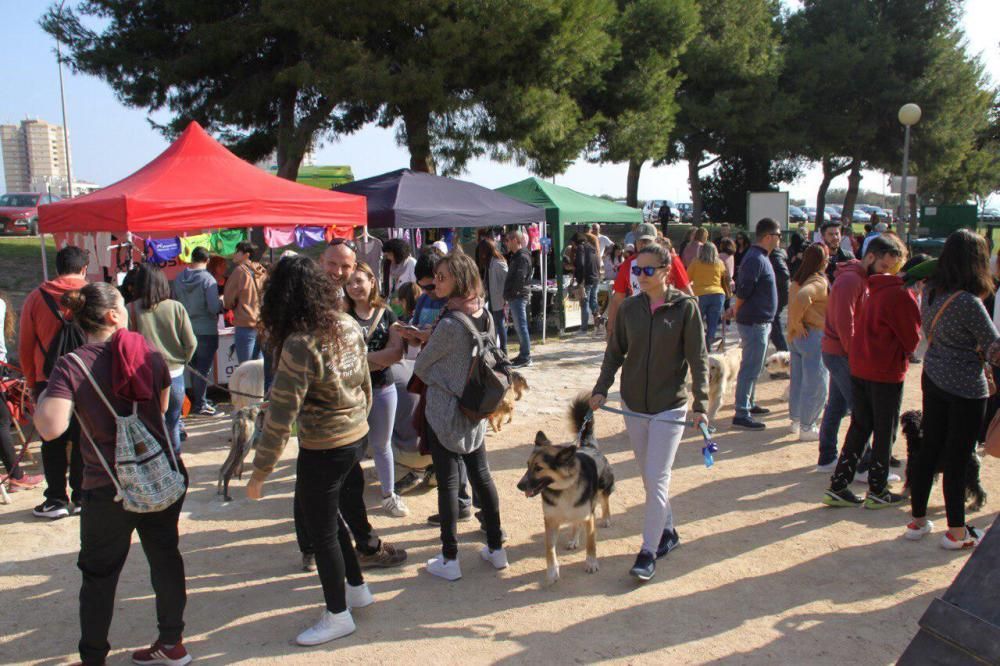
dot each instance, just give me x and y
(62, 99)
(909, 114)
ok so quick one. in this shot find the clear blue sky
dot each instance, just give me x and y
(109, 140)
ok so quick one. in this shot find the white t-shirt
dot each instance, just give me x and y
(604, 243)
(402, 274)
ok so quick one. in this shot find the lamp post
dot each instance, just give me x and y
(909, 114)
(62, 99)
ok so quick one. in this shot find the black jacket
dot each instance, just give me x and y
(831, 267)
(586, 267)
(518, 275)
(782, 276)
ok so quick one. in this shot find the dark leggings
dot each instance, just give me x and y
(446, 468)
(875, 414)
(951, 425)
(319, 478)
(8, 454)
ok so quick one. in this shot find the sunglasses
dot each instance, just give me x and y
(427, 287)
(346, 242)
(648, 270)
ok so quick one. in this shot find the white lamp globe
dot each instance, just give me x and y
(909, 114)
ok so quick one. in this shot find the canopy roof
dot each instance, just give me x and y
(406, 199)
(573, 207)
(197, 184)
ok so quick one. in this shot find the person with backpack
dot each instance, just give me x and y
(197, 291)
(47, 332)
(16, 477)
(118, 387)
(587, 273)
(322, 384)
(166, 326)
(463, 336)
(242, 295)
(657, 339)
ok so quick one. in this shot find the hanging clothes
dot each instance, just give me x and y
(339, 231)
(189, 243)
(162, 250)
(309, 236)
(534, 238)
(224, 241)
(279, 236)
(370, 252)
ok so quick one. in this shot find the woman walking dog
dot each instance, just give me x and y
(649, 330)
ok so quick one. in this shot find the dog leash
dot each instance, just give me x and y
(707, 451)
(227, 389)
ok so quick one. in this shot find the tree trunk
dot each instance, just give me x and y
(853, 183)
(418, 140)
(694, 182)
(287, 152)
(632, 184)
(829, 173)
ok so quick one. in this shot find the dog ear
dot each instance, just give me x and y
(565, 455)
(541, 439)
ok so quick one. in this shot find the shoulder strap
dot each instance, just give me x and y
(930, 331)
(93, 382)
(51, 302)
(375, 322)
(467, 322)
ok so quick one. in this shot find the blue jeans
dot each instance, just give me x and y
(245, 340)
(173, 416)
(501, 326)
(519, 312)
(588, 306)
(753, 339)
(837, 405)
(807, 391)
(204, 356)
(711, 313)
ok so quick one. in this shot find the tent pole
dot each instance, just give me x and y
(45, 261)
(545, 285)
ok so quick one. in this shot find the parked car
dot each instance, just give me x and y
(651, 211)
(811, 212)
(19, 211)
(796, 215)
(687, 210)
(833, 213)
(860, 216)
(990, 215)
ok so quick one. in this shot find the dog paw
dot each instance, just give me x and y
(573, 543)
(552, 575)
(591, 565)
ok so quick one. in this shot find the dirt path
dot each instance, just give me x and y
(765, 575)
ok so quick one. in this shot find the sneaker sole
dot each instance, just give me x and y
(642, 577)
(838, 503)
(875, 506)
(914, 536)
(55, 514)
(183, 661)
(751, 428)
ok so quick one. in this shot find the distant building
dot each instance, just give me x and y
(34, 153)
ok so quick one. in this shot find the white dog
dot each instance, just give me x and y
(779, 364)
(723, 366)
(247, 378)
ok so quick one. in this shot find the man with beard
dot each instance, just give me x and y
(831, 238)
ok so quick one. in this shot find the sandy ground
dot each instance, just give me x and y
(765, 575)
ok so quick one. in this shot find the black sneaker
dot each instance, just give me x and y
(895, 462)
(644, 567)
(747, 423)
(842, 497)
(464, 515)
(408, 482)
(757, 410)
(883, 500)
(53, 509)
(668, 541)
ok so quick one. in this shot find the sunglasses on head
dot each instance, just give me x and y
(346, 242)
(648, 270)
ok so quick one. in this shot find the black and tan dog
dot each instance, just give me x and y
(571, 479)
(911, 423)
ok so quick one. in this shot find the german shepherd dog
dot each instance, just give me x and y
(246, 423)
(518, 385)
(912, 425)
(571, 480)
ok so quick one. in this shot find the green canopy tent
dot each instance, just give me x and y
(565, 206)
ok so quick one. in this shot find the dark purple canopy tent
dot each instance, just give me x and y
(406, 199)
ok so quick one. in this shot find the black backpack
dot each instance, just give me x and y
(489, 372)
(68, 337)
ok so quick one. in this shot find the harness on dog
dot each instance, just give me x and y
(707, 451)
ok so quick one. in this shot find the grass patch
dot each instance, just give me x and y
(21, 265)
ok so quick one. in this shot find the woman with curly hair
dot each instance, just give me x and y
(323, 384)
(16, 478)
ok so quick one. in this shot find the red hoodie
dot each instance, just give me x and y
(850, 287)
(39, 324)
(886, 331)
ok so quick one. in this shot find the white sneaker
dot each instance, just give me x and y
(915, 532)
(862, 477)
(827, 468)
(395, 506)
(971, 540)
(498, 558)
(359, 596)
(809, 434)
(442, 568)
(893, 478)
(794, 427)
(330, 627)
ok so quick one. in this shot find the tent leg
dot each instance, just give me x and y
(45, 261)
(545, 286)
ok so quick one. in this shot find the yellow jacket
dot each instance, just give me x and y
(807, 305)
(708, 278)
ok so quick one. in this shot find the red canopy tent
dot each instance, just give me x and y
(197, 184)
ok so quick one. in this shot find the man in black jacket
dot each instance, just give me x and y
(517, 293)
(832, 239)
(587, 272)
(779, 262)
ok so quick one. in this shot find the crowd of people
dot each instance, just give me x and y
(374, 357)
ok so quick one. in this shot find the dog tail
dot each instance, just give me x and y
(518, 384)
(578, 412)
